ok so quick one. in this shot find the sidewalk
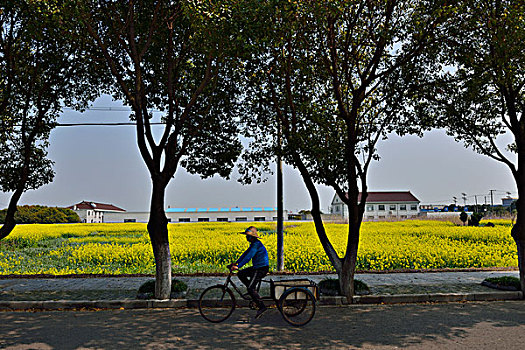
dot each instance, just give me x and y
(125, 288)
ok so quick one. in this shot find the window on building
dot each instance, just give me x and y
(413, 207)
(370, 208)
(381, 207)
(381, 217)
(184, 220)
(337, 209)
(130, 220)
(169, 219)
(392, 207)
(259, 218)
(203, 219)
(241, 218)
(403, 207)
(222, 219)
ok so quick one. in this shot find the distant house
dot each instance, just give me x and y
(507, 201)
(382, 205)
(92, 212)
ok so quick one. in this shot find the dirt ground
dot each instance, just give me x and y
(490, 325)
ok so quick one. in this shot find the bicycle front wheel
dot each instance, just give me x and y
(216, 303)
(297, 305)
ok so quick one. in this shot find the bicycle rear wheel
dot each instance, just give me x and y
(297, 305)
(216, 303)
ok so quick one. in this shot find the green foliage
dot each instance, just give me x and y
(176, 58)
(507, 281)
(478, 93)
(475, 219)
(463, 217)
(37, 214)
(333, 105)
(331, 285)
(177, 286)
(42, 67)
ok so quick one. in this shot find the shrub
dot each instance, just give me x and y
(463, 217)
(504, 281)
(475, 219)
(38, 214)
(148, 287)
(330, 286)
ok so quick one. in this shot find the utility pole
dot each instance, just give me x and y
(464, 199)
(280, 210)
(455, 199)
(492, 197)
(476, 199)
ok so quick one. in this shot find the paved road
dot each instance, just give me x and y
(496, 325)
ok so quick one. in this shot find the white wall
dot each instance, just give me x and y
(122, 216)
(391, 210)
(194, 217)
(339, 208)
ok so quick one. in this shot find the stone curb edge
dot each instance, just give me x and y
(189, 303)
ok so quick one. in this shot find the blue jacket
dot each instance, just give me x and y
(257, 253)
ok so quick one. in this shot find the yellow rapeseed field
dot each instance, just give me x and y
(208, 247)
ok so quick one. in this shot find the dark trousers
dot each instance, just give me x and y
(251, 278)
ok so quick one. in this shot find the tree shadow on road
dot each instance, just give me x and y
(376, 326)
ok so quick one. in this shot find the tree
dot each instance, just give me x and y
(335, 76)
(37, 214)
(174, 57)
(42, 66)
(482, 96)
(463, 217)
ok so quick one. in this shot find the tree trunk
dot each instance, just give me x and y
(316, 214)
(518, 230)
(518, 233)
(158, 233)
(9, 223)
(346, 278)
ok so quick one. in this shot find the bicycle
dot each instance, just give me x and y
(295, 299)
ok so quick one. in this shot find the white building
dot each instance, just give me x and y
(507, 201)
(92, 212)
(382, 205)
(175, 215)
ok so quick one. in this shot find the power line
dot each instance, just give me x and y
(105, 124)
(98, 124)
(109, 109)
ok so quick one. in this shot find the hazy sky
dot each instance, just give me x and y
(103, 164)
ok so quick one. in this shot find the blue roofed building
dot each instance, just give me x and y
(211, 214)
(224, 214)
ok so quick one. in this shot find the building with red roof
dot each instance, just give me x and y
(93, 212)
(381, 205)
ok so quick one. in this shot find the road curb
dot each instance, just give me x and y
(191, 303)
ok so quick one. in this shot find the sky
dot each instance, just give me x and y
(103, 164)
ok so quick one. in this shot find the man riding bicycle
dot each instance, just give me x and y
(252, 276)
